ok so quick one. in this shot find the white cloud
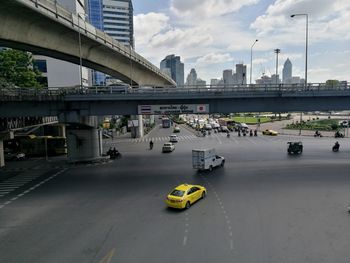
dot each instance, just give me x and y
(208, 34)
(181, 38)
(327, 20)
(213, 58)
(148, 25)
(208, 8)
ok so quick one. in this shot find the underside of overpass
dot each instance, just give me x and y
(44, 28)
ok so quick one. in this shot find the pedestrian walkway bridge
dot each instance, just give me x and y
(95, 101)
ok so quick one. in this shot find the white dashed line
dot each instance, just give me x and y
(185, 240)
(30, 189)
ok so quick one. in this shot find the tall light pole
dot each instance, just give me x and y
(277, 51)
(251, 60)
(306, 42)
(80, 56)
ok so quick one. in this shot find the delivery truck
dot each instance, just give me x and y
(206, 159)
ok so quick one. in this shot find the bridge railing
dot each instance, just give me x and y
(248, 90)
(54, 10)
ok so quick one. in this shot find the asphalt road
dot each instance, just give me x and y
(263, 206)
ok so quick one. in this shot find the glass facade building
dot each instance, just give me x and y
(115, 18)
(173, 66)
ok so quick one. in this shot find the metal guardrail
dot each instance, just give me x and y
(48, 94)
(55, 11)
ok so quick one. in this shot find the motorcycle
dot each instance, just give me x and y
(317, 134)
(114, 154)
(338, 135)
(228, 135)
(251, 133)
(336, 147)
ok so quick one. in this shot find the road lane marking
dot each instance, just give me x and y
(108, 257)
(185, 241)
(32, 188)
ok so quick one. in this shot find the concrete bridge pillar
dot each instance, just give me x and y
(2, 155)
(84, 144)
(137, 132)
(84, 138)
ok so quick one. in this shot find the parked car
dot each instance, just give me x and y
(10, 156)
(168, 147)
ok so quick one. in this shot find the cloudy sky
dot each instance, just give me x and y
(213, 35)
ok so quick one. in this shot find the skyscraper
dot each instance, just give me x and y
(173, 64)
(192, 78)
(241, 74)
(227, 77)
(287, 72)
(115, 18)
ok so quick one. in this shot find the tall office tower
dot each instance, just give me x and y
(115, 18)
(192, 78)
(227, 77)
(241, 74)
(214, 82)
(287, 72)
(58, 73)
(173, 64)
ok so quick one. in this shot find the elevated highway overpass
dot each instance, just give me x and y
(43, 27)
(74, 106)
(107, 101)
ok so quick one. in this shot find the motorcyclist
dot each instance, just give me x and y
(317, 133)
(255, 133)
(239, 133)
(336, 146)
(228, 135)
(338, 134)
(151, 144)
(251, 133)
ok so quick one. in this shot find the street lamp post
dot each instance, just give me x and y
(251, 60)
(277, 51)
(306, 42)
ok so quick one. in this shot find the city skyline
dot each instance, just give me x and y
(210, 44)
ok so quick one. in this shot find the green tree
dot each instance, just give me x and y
(16, 68)
(332, 83)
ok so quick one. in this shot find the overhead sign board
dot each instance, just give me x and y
(173, 109)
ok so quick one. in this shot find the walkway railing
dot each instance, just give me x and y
(43, 94)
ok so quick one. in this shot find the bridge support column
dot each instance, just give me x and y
(2, 154)
(137, 132)
(84, 144)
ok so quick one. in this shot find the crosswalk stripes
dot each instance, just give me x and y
(14, 183)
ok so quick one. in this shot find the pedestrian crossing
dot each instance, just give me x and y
(14, 183)
(220, 137)
(163, 139)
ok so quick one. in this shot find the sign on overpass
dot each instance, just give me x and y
(173, 109)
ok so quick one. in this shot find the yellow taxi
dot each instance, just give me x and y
(270, 132)
(184, 195)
